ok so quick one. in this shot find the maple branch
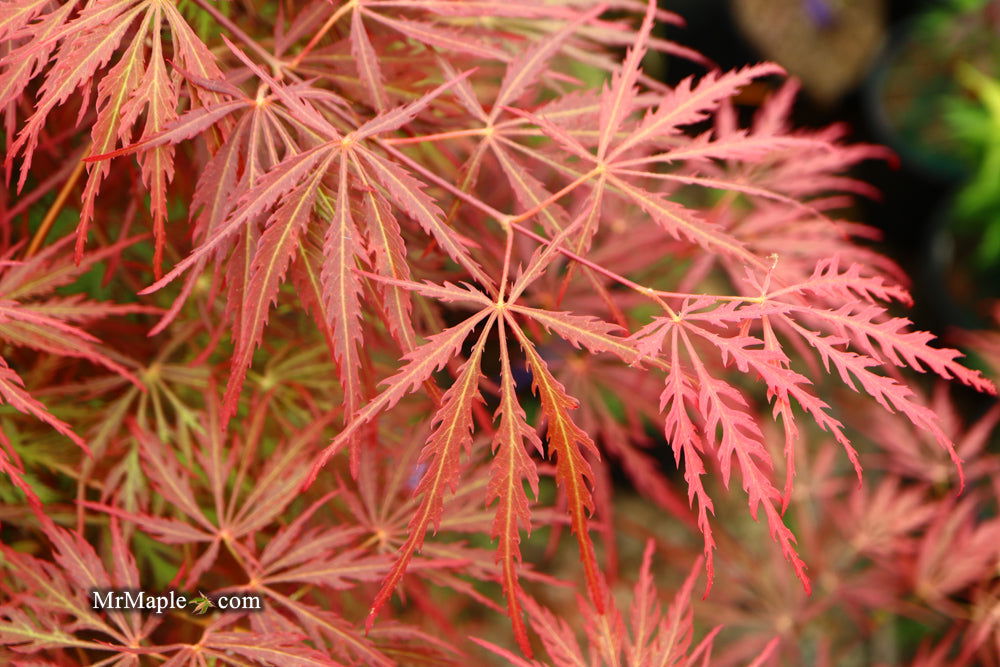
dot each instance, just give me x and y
(227, 540)
(438, 136)
(444, 183)
(607, 273)
(330, 22)
(537, 208)
(54, 210)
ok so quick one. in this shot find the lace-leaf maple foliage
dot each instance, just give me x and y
(520, 252)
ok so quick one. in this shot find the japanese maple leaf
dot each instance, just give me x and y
(261, 134)
(453, 422)
(77, 45)
(652, 636)
(859, 337)
(315, 184)
(784, 202)
(498, 135)
(607, 163)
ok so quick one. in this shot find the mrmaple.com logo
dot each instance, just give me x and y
(133, 600)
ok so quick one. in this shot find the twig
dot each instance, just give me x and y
(54, 210)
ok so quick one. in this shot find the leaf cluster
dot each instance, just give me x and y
(414, 294)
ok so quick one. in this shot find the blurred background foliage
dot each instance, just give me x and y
(920, 77)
